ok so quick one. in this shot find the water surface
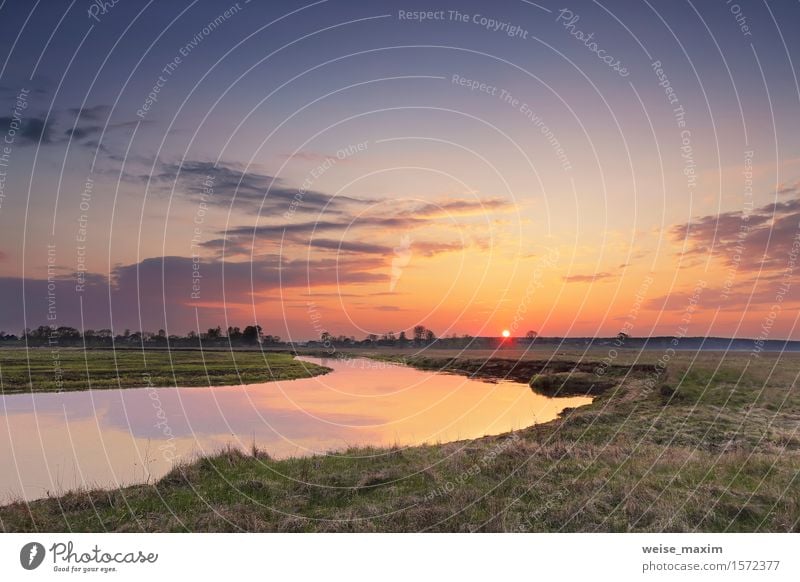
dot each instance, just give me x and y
(108, 438)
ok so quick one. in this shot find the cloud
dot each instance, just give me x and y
(791, 189)
(284, 210)
(87, 124)
(83, 124)
(321, 294)
(170, 292)
(35, 292)
(82, 132)
(350, 247)
(430, 249)
(33, 130)
(752, 294)
(458, 207)
(588, 278)
(751, 241)
(229, 247)
(245, 241)
(309, 228)
(427, 249)
(92, 113)
(373, 234)
(680, 301)
(167, 292)
(225, 184)
(86, 131)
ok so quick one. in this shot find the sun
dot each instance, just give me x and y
(506, 333)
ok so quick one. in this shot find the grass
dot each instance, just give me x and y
(67, 369)
(561, 383)
(711, 445)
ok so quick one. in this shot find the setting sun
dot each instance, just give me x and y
(506, 333)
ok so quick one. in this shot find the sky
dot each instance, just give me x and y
(355, 167)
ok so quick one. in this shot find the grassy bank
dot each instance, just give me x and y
(45, 370)
(709, 445)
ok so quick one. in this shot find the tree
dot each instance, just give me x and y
(429, 335)
(403, 337)
(419, 333)
(40, 334)
(68, 333)
(531, 335)
(252, 334)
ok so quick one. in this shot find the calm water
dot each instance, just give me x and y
(108, 438)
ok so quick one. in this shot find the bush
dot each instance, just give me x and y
(569, 384)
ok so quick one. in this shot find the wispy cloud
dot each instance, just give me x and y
(790, 189)
(248, 189)
(458, 207)
(588, 278)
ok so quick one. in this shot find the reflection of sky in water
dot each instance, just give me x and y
(107, 437)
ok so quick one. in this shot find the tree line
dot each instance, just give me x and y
(250, 335)
(69, 336)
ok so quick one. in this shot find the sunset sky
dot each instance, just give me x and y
(342, 166)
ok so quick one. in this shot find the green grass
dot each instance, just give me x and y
(44, 370)
(718, 451)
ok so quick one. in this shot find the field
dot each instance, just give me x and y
(709, 443)
(45, 370)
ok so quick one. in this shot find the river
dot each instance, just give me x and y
(53, 442)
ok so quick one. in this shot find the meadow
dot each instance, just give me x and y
(67, 369)
(706, 442)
